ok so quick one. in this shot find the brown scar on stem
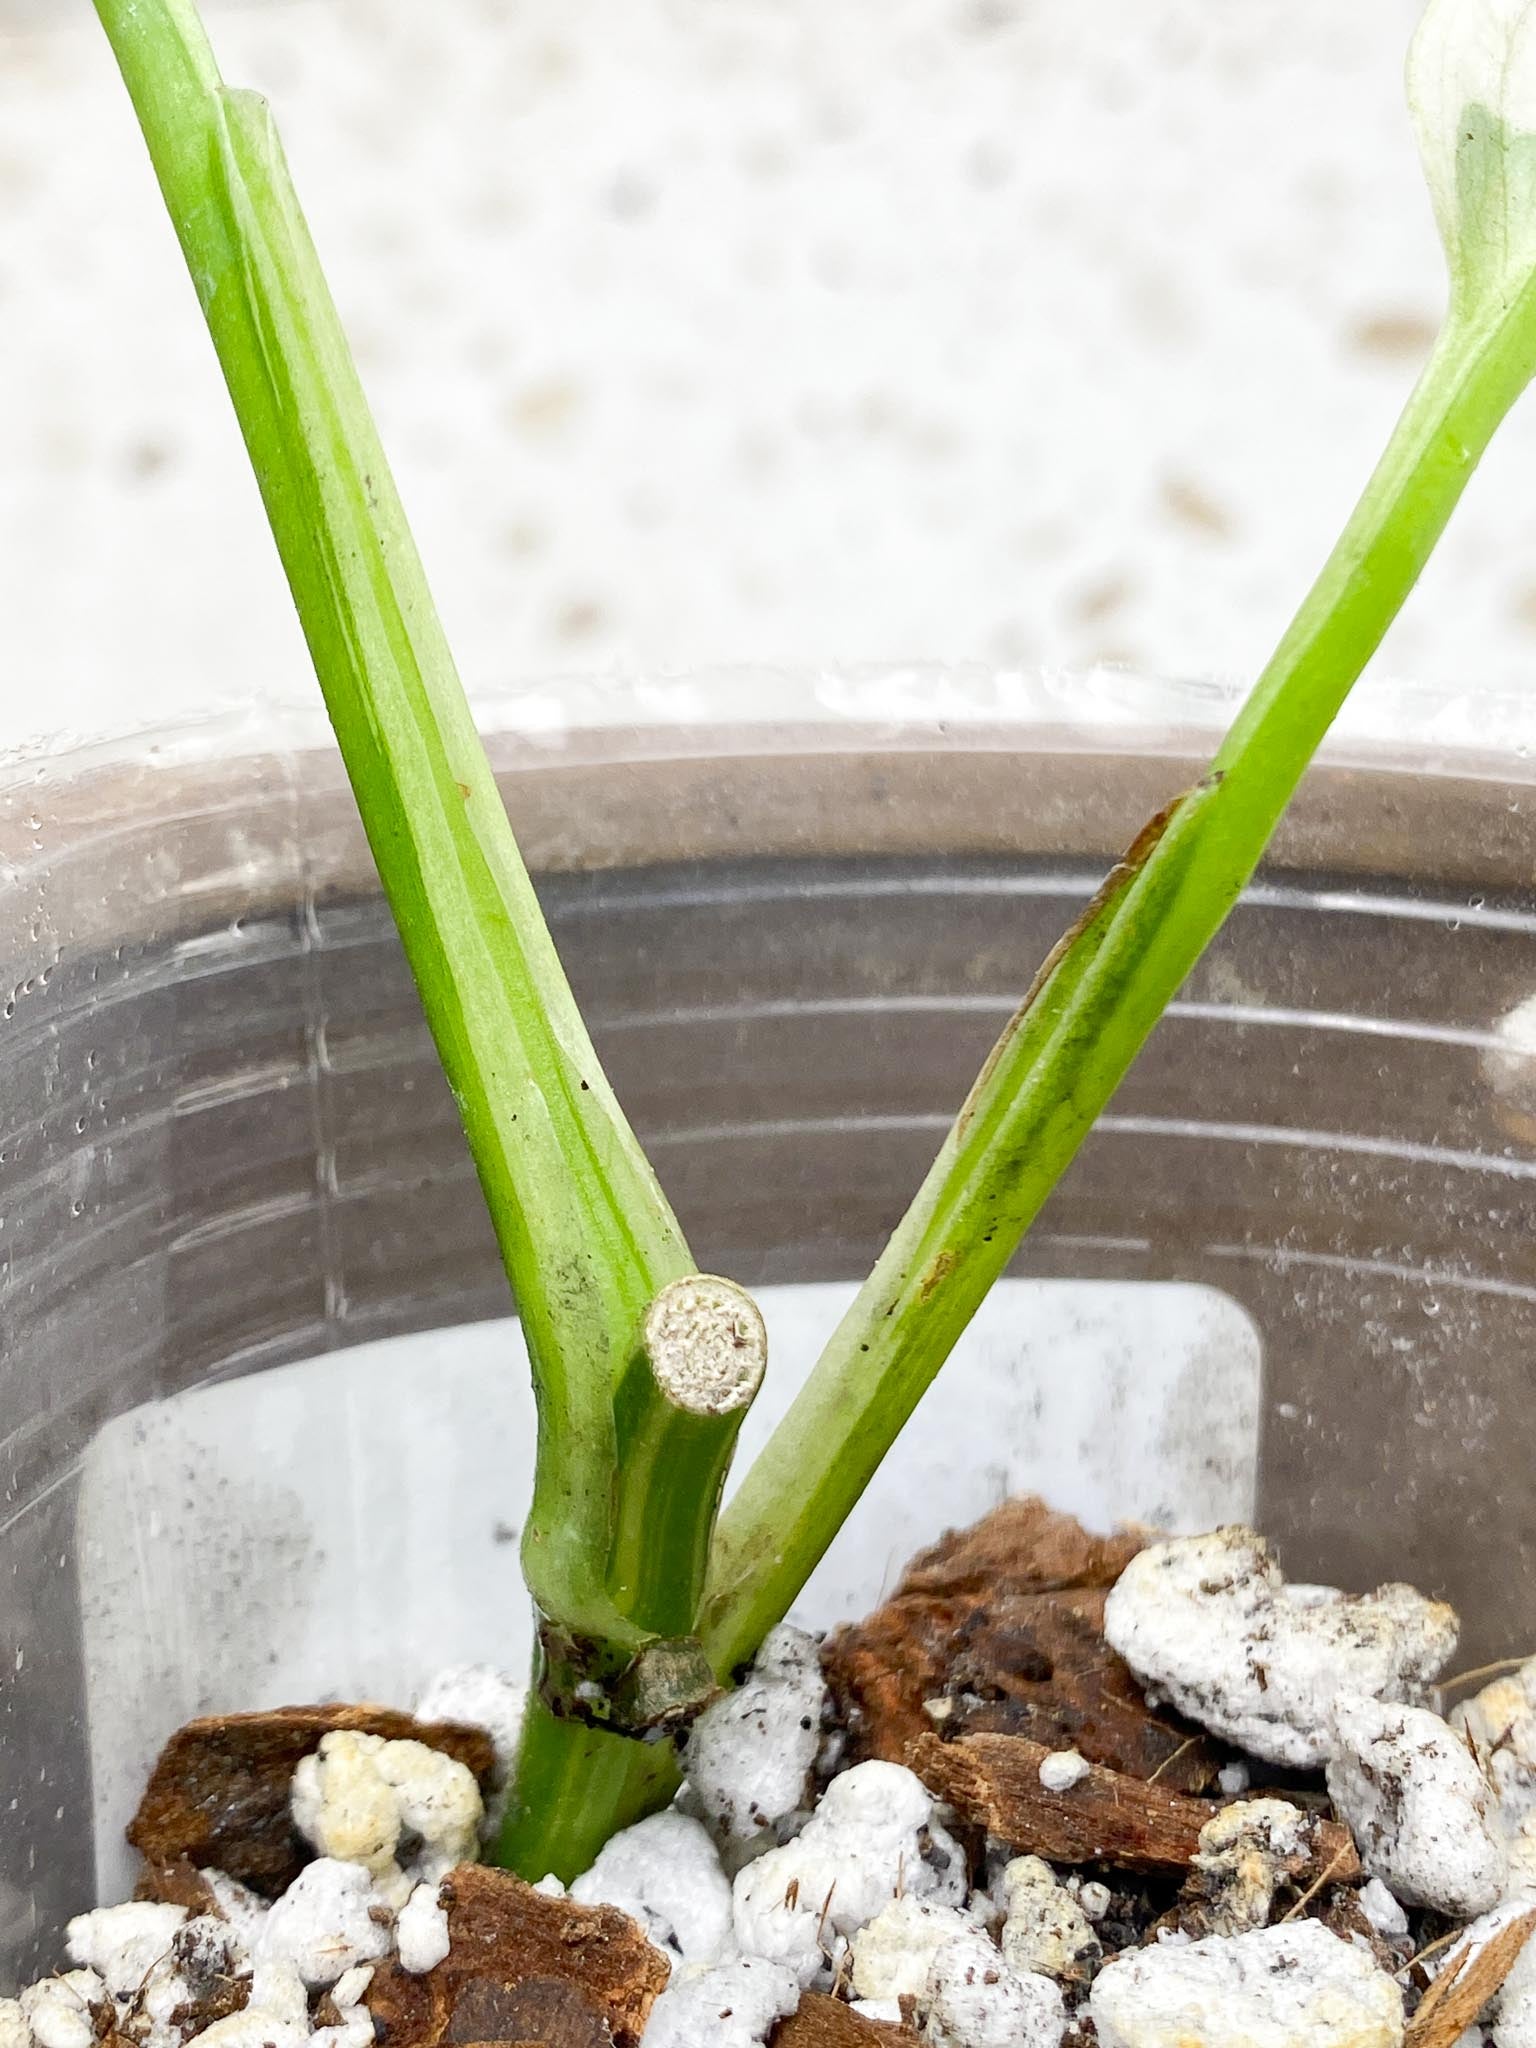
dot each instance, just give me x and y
(943, 1264)
(464, 791)
(1114, 884)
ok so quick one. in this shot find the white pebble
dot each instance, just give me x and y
(122, 1943)
(1063, 1769)
(439, 1801)
(1234, 1779)
(872, 1838)
(255, 2028)
(1382, 1910)
(357, 1794)
(1209, 1623)
(975, 2000)
(14, 2031)
(1514, 2011)
(351, 1987)
(343, 1805)
(58, 2010)
(732, 2005)
(323, 1923)
(245, 1910)
(1514, 2007)
(1045, 1929)
(1500, 1722)
(1095, 1898)
(355, 2031)
(1292, 1986)
(203, 1950)
(1418, 1806)
(892, 1953)
(665, 1872)
(750, 1754)
(278, 1990)
(208, 1946)
(480, 1696)
(1245, 1851)
(421, 1931)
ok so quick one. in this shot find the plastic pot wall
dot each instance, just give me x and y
(224, 1144)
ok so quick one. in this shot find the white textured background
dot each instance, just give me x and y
(1029, 331)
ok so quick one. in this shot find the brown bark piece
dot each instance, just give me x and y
(999, 1629)
(218, 1794)
(408, 2009)
(180, 1883)
(519, 1961)
(1031, 1545)
(827, 2023)
(1469, 1979)
(993, 1782)
(547, 2012)
(1339, 1909)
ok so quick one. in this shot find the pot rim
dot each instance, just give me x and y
(243, 810)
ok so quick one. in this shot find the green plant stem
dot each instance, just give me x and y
(585, 1232)
(585, 1785)
(1098, 998)
(679, 1409)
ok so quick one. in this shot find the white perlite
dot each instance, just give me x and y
(1514, 2011)
(323, 1924)
(1418, 1805)
(245, 1910)
(14, 2031)
(1513, 2008)
(1292, 1986)
(893, 1953)
(1094, 1898)
(1044, 1928)
(351, 1987)
(202, 1950)
(1382, 1910)
(421, 1934)
(123, 1943)
(1063, 1769)
(871, 1839)
(1245, 1851)
(1500, 1723)
(1209, 1623)
(733, 2005)
(975, 2000)
(482, 1697)
(277, 1987)
(750, 1754)
(58, 2010)
(665, 1873)
(255, 2027)
(358, 1794)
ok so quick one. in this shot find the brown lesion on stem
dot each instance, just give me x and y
(657, 1689)
(939, 1270)
(1114, 884)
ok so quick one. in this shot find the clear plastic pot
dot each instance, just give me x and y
(224, 1145)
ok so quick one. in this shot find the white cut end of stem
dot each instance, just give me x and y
(706, 1344)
